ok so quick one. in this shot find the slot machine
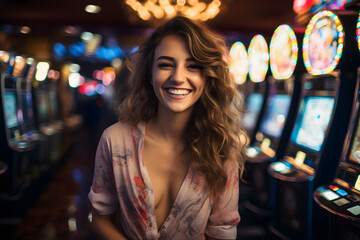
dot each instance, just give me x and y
(341, 197)
(45, 111)
(54, 114)
(280, 111)
(256, 88)
(26, 101)
(16, 148)
(312, 154)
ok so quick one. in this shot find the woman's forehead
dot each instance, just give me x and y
(172, 45)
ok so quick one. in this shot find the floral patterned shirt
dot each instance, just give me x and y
(121, 184)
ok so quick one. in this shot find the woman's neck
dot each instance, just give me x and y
(170, 126)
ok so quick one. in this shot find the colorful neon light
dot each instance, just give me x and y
(358, 32)
(239, 62)
(283, 52)
(258, 55)
(323, 43)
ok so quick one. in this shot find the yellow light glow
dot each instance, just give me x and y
(144, 14)
(25, 30)
(92, 8)
(181, 2)
(194, 9)
(4, 56)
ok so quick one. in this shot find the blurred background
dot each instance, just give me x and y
(61, 65)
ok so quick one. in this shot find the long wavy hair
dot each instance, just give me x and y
(214, 133)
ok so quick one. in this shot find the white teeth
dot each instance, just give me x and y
(179, 92)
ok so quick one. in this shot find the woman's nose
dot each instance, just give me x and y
(179, 74)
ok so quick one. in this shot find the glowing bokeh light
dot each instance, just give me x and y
(77, 48)
(91, 8)
(59, 49)
(258, 55)
(116, 63)
(358, 31)
(323, 43)
(100, 89)
(283, 52)
(86, 36)
(25, 30)
(239, 64)
(74, 80)
(42, 69)
(74, 67)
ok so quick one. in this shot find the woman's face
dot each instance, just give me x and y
(177, 78)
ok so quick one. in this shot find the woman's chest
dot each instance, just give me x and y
(167, 172)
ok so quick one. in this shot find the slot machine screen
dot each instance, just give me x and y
(354, 155)
(275, 115)
(312, 123)
(53, 104)
(27, 109)
(254, 103)
(11, 118)
(43, 107)
(10, 109)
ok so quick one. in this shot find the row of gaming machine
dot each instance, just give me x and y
(30, 132)
(304, 180)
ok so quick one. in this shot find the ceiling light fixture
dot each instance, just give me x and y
(165, 9)
(25, 29)
(92, 8)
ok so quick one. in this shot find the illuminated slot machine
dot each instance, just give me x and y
(45, 111)
(54, 113)
(341, 197)
(29, 125)
(312, 154)
(277, 121)
(255, 89)
(16, 149)
(26, 102)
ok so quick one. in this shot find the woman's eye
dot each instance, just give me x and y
(195, 67)
(165, 65)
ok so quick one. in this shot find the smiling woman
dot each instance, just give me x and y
(169, 169)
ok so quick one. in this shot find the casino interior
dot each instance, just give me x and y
(297, 67)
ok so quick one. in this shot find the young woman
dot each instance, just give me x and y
(169, 169)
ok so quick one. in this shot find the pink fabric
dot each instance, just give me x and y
(121, 184)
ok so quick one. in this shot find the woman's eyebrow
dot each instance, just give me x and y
(165, 58)
(172, 59)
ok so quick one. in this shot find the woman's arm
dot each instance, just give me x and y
(104, 227)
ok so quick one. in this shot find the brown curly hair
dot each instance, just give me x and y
(214, 134)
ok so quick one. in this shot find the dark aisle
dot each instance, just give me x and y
(62, 210)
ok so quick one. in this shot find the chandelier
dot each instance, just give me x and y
(165, 9)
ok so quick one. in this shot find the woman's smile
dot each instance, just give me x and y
(177, 92)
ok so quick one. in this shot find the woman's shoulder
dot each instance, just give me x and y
(231, 165)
